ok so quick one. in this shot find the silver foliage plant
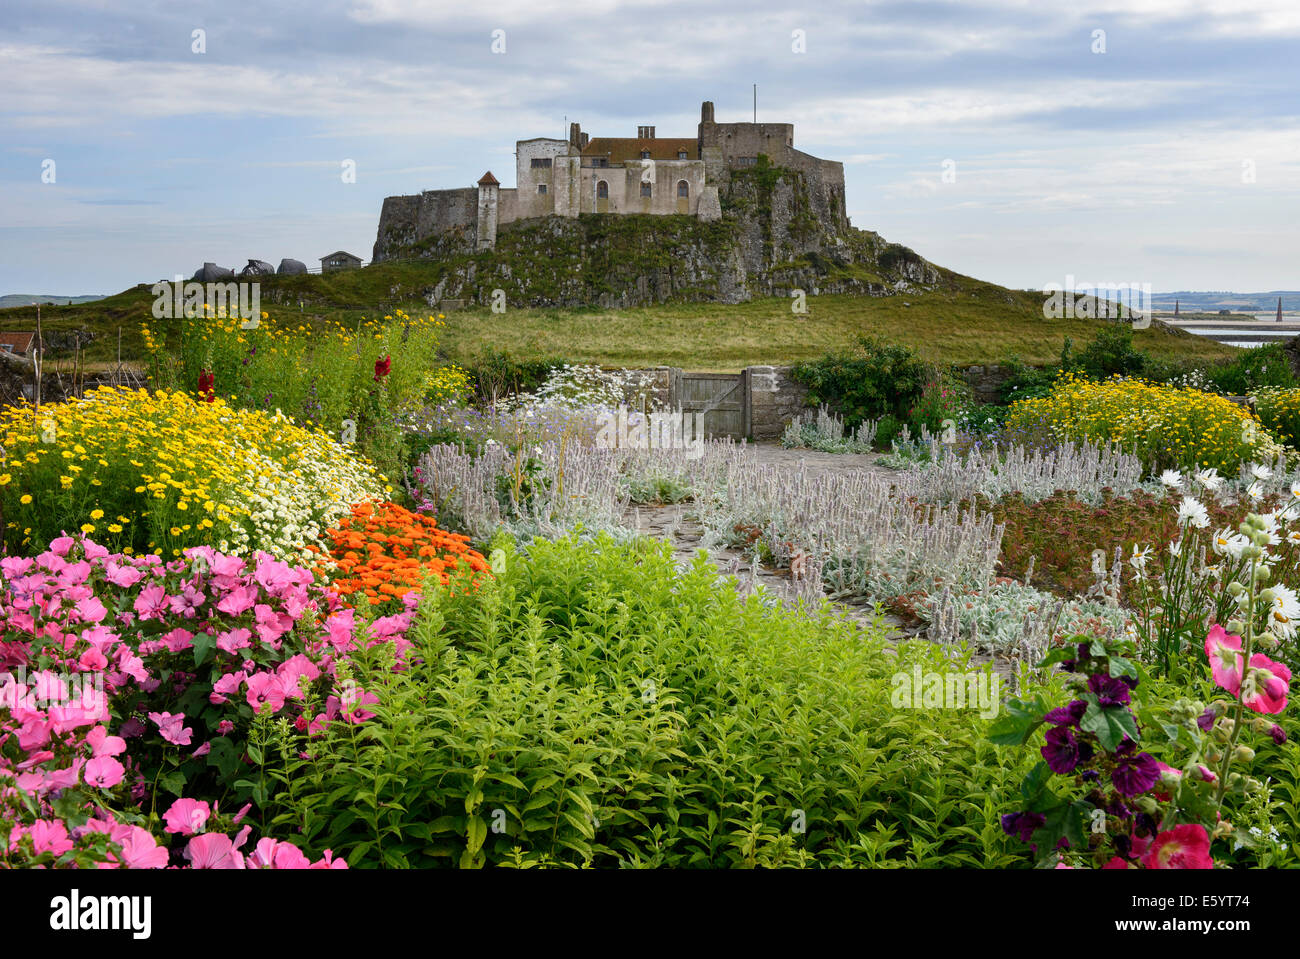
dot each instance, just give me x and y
(826, 432)
(870, 540)
(950, 475)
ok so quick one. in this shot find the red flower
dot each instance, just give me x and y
(382, 367)
(207, 383)
(1183, 847)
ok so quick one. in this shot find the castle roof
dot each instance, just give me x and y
(487, 179)
(622, 149)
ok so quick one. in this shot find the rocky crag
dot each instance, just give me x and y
(778, 233)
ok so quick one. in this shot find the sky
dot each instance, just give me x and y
(1022, 142)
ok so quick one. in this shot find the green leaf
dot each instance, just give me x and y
(203, 645)
(1017, 722)
(1109, 725)
(173, 782)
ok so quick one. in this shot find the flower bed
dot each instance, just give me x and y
(159, 472)
(384, 552)
(137, 695)
(1166, 427)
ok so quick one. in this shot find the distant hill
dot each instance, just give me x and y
(1190, 301)
(31, 299)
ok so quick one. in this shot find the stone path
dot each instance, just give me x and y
(671, 523)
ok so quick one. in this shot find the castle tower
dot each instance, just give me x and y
(488, 187)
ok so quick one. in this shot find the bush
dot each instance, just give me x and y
(494, 375)
(1278, 410)
(1167, 428)
(1255, 369)
(593, 706)
(1111, 353)
(879, 379)
(159, 472)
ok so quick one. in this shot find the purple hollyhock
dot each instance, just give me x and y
(1278, 734)
(1062, 751)
(1022, 824)
(1109, 692)
(1067, 715)
(1206, 719)
(1134, 775)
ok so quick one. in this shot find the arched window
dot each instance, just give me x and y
(683, 197)
(683, 188)
(602, 196)
(645, 189)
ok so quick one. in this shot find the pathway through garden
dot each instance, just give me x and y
(670, 522)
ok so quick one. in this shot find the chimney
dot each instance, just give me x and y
(645, 133)
(575, 135)
(706, 111)
(583, 142)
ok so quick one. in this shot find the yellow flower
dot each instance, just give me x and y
(25, 499)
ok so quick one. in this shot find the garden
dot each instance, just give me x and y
(325, 599)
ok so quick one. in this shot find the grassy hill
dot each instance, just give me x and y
(963, 321)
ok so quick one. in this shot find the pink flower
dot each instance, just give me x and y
(139, 850)
(233, 639)
(272, 854)
(187, 816)
(265, 688)
(151, 603)
(1271, 681)
(171, 729)
(238, 600)
(103, 744)
(213, 851)
(225, 727)
(178, 639)
(292, 671)
(60, 545)
(329, 862)
(50, 837)
(122, 575)
(202, 750)
(1183, 847)
(226, 686)
(1224, 652)
(104, 772)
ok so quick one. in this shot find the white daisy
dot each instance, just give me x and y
(1260, 471)
(1286, 610)
(1228, 543)
(1172, 478)
(1209, 478)
(1255, 491)
(1191, 511)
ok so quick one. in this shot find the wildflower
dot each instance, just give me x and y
(1172, 479)
(1209, 478)
(382, 367)
(1132, 774)
(1260, 471)
(1191, 511)
(1224, 652)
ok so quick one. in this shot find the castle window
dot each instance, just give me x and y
(645, 154)
(600, 162)
(602, 190)
(538, 163)
(746, 161)
(541, 189)
(683, 188)
(645, 189)
(681, 154)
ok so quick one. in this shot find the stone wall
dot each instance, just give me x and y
(985, 381)
(408, 219)
(775, 398)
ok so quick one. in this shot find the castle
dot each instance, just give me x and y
(644, 174)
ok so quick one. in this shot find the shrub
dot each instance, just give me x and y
(1167, 428)
(159, 472)
(384, 552)
(591, 705)
(1278, 410)
(879, 378)
(1255, 369)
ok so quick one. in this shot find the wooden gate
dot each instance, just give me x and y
(722, 398)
